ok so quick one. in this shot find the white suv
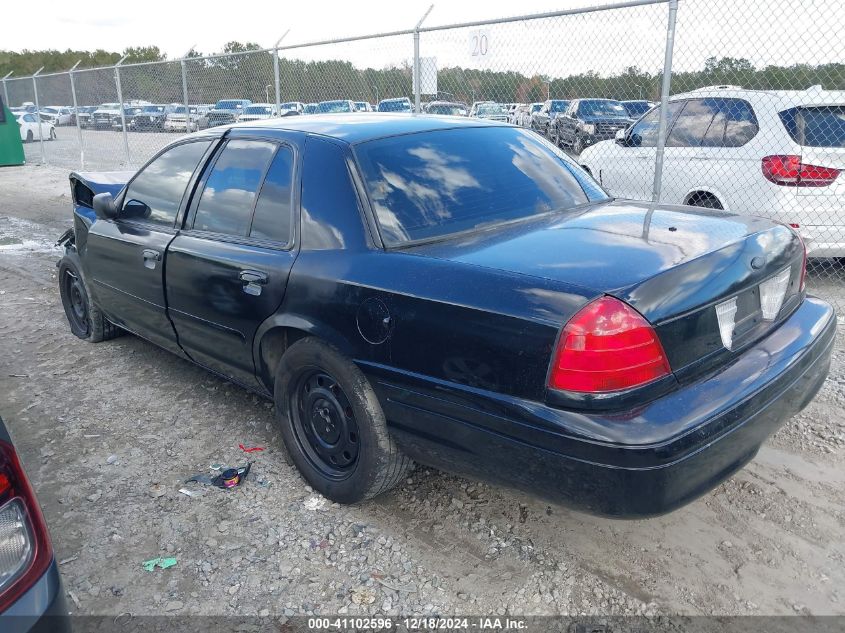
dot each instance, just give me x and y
(777, 154)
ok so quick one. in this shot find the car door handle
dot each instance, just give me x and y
(151, 257)
(253, 277)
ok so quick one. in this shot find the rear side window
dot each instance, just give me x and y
(816, 126)
(156, 193)
(272, 219)
(229, 193)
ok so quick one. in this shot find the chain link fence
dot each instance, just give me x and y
(750, 118)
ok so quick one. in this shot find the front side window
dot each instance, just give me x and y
(645, 131)
(432, 184)
(156, 193)
(692, 123)
(225, 205)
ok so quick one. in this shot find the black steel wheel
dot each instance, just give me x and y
(77, 308)
(83, 315)
(333, 424)
(324, 424)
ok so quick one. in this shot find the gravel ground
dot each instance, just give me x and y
(109, 433)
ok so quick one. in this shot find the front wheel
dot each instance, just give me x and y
(29, 136)
(84, 316)
(333, 425)
(52, 134)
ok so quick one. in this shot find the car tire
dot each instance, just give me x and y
(29, 137)
(352, 458)
(85, 318)
(52, 134)
(705, 201)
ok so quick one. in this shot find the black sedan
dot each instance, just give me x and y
(459, 293)
(32, 599)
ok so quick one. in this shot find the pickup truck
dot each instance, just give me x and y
(455, 292)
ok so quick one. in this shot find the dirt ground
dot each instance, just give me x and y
(109, 433)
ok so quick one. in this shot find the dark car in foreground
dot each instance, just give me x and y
(588, 121)
(460, 293)
(32, 599)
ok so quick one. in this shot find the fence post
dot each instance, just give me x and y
(185, 97)
(122, 111)
(416, 72)
(76, 116)
(6, 89)
(276, 73)
(38, 115)
(664, 101)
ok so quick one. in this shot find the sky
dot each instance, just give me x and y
(764, 31)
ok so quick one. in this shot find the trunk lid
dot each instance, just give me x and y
(673, 264)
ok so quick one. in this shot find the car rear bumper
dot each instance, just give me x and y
(42, 609)
(630, 464)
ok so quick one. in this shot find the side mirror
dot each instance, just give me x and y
(621, 135)
(104, 206)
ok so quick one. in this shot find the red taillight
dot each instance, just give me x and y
(26, 548)
(607, 346)
(790, 171)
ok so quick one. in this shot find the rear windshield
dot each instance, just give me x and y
(445, 108)
(558, 106)
(431, 184)
(229, 105)
(816, 126)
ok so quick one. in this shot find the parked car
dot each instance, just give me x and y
(291, 106)
(197, 118)
(129, 113)
(778, 154)
(451, 108)
(338, 106)
(57, 115)
(491, 111)
(227, 111)
(32, 598)
(587, 122)
(259, 111)
(363, 106)
(310, 108)
(511, 109)
(459, 293)
(103, 117)
(637, 108)
(399, 104)
(29, 124)
(150, 117)
(541, 119)
(84, 113)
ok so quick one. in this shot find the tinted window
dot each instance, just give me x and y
(559, 106)
(741, 124)
(821, 126)
(636, 108)
(435, 183)
(692, 123)
(334, 107)
(161, 185)
(645, 131)
(272, 219)
(229, 193)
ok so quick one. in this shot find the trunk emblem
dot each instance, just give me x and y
(726, 315)
(758, 262)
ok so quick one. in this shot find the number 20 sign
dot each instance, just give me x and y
(479, 45)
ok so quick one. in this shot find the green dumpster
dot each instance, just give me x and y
(11, 148)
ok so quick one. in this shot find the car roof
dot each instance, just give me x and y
(360, 127)
(815, 95)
